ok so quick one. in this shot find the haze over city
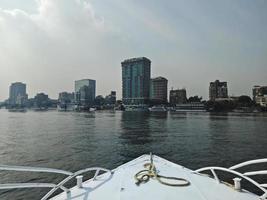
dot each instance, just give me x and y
(50, 43)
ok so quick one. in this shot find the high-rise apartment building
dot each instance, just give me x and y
(85, 90)
(17, 94)
(136, 73)
(178, 96)
(217, 90)
(159, 90)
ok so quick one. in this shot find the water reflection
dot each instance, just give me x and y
(140, 130)
(218, 116)
(218, 135)
(135, 128)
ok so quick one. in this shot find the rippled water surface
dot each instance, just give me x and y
(73, 141)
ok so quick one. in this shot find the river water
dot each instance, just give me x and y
(73, 141)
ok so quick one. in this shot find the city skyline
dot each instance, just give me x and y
(220, 92)
(190, 43)
(74, 91)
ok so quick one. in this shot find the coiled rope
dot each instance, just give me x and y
(143, 176)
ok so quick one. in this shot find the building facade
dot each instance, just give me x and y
(85, 91)
(65, 97)
(41, 100)
(136, 74)
(259, 91)
(17, 94)
(159, 90)
(218, 89)
(260, 95)
(178, 96)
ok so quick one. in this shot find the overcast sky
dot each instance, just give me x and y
(48, 44)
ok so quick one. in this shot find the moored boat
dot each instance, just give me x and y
(140, 108)
(17, 110)
(158, 109)
(190, 107)
(92, 109)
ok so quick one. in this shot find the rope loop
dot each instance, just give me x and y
(143, 176)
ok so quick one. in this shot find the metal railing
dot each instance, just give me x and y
(55, 187)
(71, 175)
(245, 175)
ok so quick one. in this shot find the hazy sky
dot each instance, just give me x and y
(48, 44)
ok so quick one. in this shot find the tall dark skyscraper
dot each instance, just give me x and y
(136, 73)
(17, 94)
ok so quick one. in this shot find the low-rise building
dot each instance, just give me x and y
(260, 95)
(262, 101)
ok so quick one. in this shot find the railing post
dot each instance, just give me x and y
(79, 181)
(215, 175)
(96, 174)
(237, 182)
(264, 196)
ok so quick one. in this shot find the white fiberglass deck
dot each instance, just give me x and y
(120, 185)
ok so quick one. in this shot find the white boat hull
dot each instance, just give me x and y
(147, 177)
(157, 109)
(137, 108)
(120, 185)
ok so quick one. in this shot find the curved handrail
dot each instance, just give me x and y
(26, 185)
(34, 169)
(48, 185)
(262, 187)
(97, 169)
(233, 172)
(251, 162)
(254, 173)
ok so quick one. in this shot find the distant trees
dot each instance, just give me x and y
(241, 102)
(244, 101)
(99, 100)
(194, 99)
(224, 105)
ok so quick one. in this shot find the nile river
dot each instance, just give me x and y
(73, 141)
